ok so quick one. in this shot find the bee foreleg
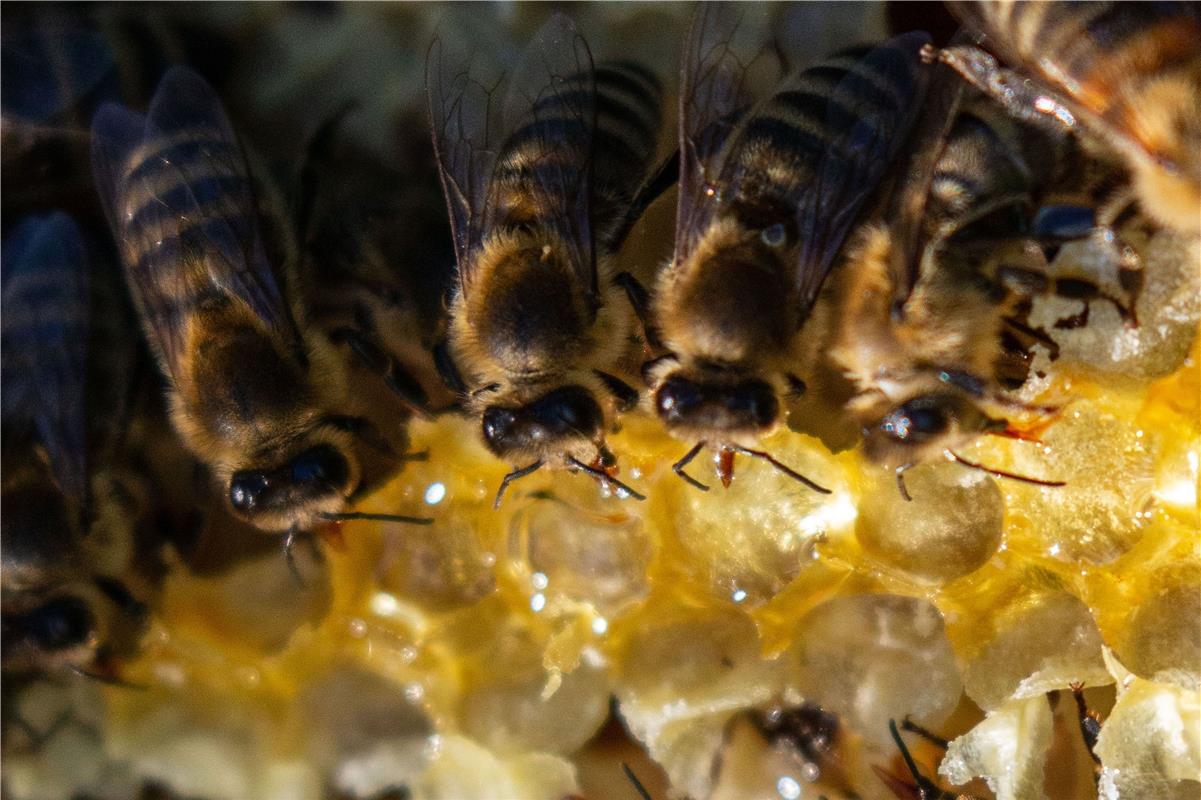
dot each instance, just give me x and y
(678, 467)
(1019, 96)
(1090, 721)
(627, 396)
(395, 377)
(519, 472)
(936, 740)
(782, 467)
(447, 369)
(663, 178)
(640, 301)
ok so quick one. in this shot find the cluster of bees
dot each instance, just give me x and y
(870, 234)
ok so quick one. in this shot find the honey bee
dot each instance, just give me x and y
(1127, 74)
(766, 199)
(368, 283)
(541, 196)
(932, 316)
(253, 392)
(70, 516)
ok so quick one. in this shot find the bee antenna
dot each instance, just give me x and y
(900, 473)
(1000, 473)
(109, 680)
(678, 467)
(796, 476)
(519, 472)
(638, 787)
(604, 478)
(350, 515)
(910, 764)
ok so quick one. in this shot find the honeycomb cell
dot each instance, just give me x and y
(752, 538)
(1007, 749)
(461, 768)
(682, 680)
(950, 528)
(872, 658)
(362, 729)
(1162, 641)
(583, 554)
(1040, 643)
(515, 711)
(437, 568)
(1088, 519)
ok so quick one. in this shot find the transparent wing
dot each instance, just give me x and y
(465, 121)
(44, 341)
(550, 120)
(178, 194)
(915, 175)
(723, 40)
(869, 116)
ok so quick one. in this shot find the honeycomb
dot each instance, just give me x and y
(529, 652)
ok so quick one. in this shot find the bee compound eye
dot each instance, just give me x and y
(60, 623)
(918, 420)
(320, 465)
(246, 490)
(497, 422)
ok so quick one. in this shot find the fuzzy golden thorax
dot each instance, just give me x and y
(1166, 118)
(252, 412)
(730, 301)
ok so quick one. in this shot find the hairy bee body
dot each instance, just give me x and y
(1128, 73)
(540, 200)
(766, 197)
(253, 392)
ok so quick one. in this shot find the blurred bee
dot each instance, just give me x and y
(931, 320)
(766, 199)
(252, 391)
(541, 196)
(369, 283)
(69, 513)
(1127, 74)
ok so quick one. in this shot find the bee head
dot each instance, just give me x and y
(546, 426)
(922, 427)
(318, 478)
(708, 404)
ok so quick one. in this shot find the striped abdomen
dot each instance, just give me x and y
(824, 110)
(185, 199)
(548, 157)
(1102, 54)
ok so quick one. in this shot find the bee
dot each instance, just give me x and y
(253, 392)
(767, 196)
(1126, 74)
(922, 787)
(932, 316)
(540, 197)
(70, 515)
(368, 282)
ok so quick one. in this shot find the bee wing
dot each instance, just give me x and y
(916, 175)
(720, 46)
(177, 191)
(465, 123)
(869, 115)
(44, 340)
(550, 115)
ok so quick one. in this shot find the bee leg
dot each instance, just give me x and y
(447, 369)
(290, 557)
(796, 476)
(640, 301)
(519, 472)
(926, 788)
(316, 151)
(627, 396)
(1017, 95)
(395, 377)
(603, 477)
(633, 779)
(678, 467)
(1090, 721)
(1000, 473)
(663, 178)
(1086, 292)
(934, 739)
